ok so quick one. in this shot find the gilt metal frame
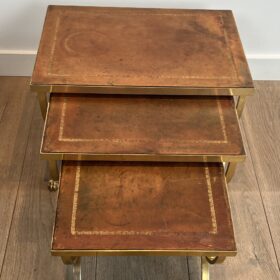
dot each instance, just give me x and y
(158, 90)
(43, 92)
(75, 259)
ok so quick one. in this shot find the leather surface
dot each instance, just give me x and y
(92, 124)
(143, 206)
(140, 47)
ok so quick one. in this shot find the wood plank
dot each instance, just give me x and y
(28, 250)
(2, 109)
(89, 268)
(262, 124)
(256, 257)
(17, 105)
(27, 255)
(148, 268)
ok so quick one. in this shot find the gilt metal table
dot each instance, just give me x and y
(141, 111)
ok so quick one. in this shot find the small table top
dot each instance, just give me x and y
(122, 207)
(112, 127)
(129, 48)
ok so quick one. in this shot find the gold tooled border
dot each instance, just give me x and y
(74, 230)
(61, 137)
(223, 31)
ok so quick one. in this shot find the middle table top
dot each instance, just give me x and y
(106, 127)
(130, 48)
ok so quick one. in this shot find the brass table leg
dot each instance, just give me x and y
(42, 98)
(230, 170)
(205, 261)
(76, 262)
(240, 105)
(204, 269)
(54, 174)
(77, 273)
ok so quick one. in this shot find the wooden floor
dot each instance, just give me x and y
(27, 208)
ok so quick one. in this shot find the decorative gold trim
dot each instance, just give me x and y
(222, 121)
(53, 47)
(62, 121)
(74, 230)
(143, 253)
(62, 138)
(222, 31)
(75, 199)
(143, 157)
(211, 201)
(140, 90)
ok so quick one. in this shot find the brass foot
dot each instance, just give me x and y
(213, 260)
(53, 185)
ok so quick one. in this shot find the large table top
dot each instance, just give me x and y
(130, 48)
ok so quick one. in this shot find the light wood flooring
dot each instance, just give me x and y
(27, 208)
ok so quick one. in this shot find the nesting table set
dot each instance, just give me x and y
(141, 132)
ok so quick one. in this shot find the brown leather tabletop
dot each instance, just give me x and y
(109, 47)
(147, 126)
(143, 206)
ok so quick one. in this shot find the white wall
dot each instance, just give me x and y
(258, 21)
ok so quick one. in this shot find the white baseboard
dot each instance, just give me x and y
(16, 63)
(20, 63)
(264, 67)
